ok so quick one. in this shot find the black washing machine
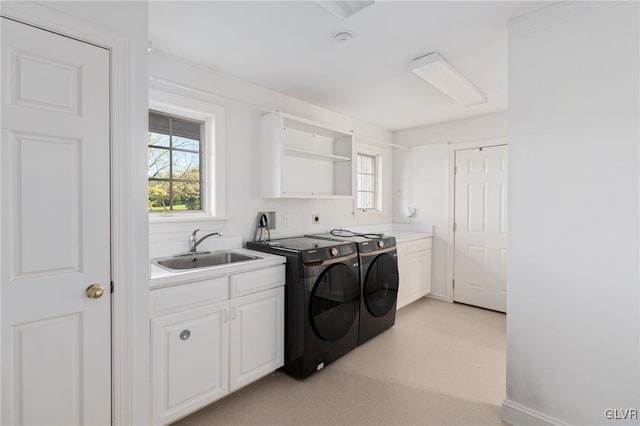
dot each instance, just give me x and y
(378, 260)
(322, 301)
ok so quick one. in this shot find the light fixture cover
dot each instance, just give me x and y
(444, 77)
(344, 9)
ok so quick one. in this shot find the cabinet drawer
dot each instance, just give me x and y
(188, 296)
(413, 246)
(254, 281)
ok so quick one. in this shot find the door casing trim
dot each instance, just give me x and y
(453, 147)
(129, 233)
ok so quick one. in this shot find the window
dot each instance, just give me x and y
(175, 148)
(367, 176)
(188, 127)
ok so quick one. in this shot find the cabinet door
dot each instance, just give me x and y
(189, 361)
(257, 336)
(424, 281)
(415, 272)
(415, 276)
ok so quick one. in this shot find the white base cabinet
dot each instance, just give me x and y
(208, 340)
(414, 269)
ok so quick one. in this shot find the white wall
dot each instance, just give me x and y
(421, 180)
(242, 162)
(573, 300)
(487, 126)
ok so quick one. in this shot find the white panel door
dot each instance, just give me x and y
(481, 227)
(256, 345)
(55, 229)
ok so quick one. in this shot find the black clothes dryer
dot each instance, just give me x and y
(322, 301)
(379, 281)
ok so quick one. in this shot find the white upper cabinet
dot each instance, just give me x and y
(303, 159)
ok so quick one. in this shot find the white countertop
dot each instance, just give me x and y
(402, 231)
(160, 277)
(403, 236)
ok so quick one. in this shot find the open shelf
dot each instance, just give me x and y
(295, 152)
(304, 159)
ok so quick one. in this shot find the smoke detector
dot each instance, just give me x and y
(343, 36)
(344, 9)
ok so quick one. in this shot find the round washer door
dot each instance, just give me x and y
(334, 304)
(381, 285)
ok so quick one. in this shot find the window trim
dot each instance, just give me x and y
(213, 153)
(378, 180)
(373, 174)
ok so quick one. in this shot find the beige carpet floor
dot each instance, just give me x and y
(441, 364)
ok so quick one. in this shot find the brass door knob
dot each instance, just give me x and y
(94, 291)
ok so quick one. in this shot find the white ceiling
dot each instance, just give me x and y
(289, 47)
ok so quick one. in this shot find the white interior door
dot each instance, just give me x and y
(55, 230)
(481, 227)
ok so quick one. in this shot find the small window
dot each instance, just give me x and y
(366, 182)
(175, 146)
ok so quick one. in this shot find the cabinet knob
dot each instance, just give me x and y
(185, 334)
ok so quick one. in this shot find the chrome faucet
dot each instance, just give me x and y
(194, 241)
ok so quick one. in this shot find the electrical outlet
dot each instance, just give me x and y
(315, 219)
(271, 219)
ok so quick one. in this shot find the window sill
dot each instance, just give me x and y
(162, 218)
(375, 212)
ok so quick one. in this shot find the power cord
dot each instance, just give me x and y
(347, 233)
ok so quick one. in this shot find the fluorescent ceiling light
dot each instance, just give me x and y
(444, 77)
(344, 9)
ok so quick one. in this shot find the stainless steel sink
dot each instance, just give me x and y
(202, 260)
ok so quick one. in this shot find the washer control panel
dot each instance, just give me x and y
(325, 253)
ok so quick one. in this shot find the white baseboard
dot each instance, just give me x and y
(518, 415)
(437, 297)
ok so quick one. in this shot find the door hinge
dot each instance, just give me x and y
(111, 287)
(453, 283)
(455, 170)
(455, 227)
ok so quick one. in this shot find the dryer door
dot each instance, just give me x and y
(381, 285)
(334, 303)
